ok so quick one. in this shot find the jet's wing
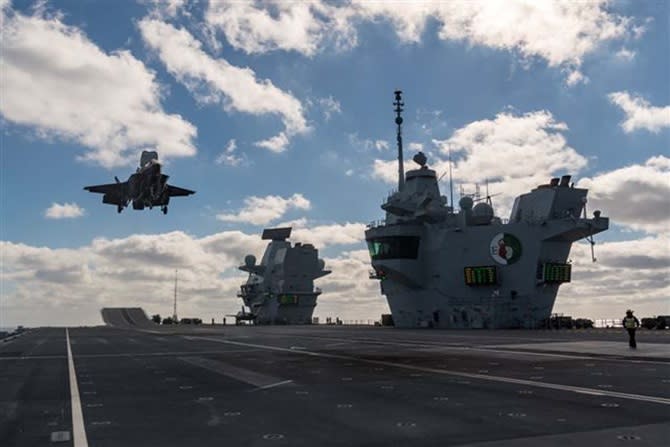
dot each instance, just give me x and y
(176, 191)
(115, 189)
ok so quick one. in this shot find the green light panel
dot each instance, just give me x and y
(485, 275)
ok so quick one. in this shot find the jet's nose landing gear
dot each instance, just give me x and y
(119, 208)
(164, 209)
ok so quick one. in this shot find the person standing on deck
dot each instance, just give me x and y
(631, 323)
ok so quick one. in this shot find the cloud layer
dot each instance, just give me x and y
(513, 152)
(639, 113)
(213, 80)
(634, 196)
(56, 80)
(263, 210)
(64, 211)
(519, 26)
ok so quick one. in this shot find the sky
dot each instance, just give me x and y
(280, 112)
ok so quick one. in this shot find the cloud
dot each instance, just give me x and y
(229, 158)
(519, 26)
(629, 274)
(55, 80)
(639, 113)
(330, 106)
(280, 25)
(334, 234)
(47, 286)
(513, 153)
(381, 145)
(635, 196)
(213, 80)
(263, 210)
(64, 211)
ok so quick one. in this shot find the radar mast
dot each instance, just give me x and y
(398, 120)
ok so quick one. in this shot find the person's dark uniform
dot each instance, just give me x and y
(631, 323)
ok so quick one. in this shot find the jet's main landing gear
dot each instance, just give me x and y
(119, 208)
(164, 209)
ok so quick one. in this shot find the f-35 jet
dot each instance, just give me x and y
(147, 187)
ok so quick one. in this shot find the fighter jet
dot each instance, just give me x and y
(147, 187)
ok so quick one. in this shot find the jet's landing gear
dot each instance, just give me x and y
(164, 209)
(119, 208)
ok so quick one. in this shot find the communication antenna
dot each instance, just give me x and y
(174, 310)
(590, 238)
(398, 120)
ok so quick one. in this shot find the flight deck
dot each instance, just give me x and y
(332, 386)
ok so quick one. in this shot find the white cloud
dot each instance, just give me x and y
(46, 286)
(57, 81)
(277, 143)
(228, 157)
(213, 80)
(330, 106)
(625, 54)
(514, 153)
(521, 26)
(263, 210)
(334, 234)
(415, 147)
(635, 196)
(64, 211)
(629, 274)
(281, 25)
(381, 145)
(639, 113)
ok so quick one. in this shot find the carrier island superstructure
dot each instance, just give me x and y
(467, 268)
(280, 290)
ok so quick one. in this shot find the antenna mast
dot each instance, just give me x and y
(451, 184)
(174, 310)
(398, 120)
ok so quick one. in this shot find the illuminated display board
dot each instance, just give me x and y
(288, 299)
(484, 275)
(552, 272)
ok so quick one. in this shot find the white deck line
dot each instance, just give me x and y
(78, 430)
(487, 377)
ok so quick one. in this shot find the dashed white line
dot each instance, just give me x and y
(78, 430)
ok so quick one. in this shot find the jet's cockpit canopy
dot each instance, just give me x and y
(147, 157)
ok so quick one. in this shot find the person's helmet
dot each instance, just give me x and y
(629, 312)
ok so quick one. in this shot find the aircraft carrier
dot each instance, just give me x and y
(439, 267)
(133, 383)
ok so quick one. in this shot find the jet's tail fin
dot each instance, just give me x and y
(147, 156)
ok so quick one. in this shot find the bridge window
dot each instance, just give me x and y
(394, 247)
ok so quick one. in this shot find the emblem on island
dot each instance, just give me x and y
(505, 248)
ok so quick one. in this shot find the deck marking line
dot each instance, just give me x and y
(78, 430)
(488, 377)
(487, 348)
(234, 372)
(272, 385)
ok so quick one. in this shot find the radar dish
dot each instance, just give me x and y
(420, 159)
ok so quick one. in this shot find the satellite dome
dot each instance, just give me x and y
(420, 159)
(322, 264)
(484, 210)
(250, 260)
(465, 203)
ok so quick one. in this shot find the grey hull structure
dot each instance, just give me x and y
(439, 267)
(280, 290)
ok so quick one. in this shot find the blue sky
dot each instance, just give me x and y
(519, 85)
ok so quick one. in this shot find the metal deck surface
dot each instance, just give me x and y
(333, 385)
